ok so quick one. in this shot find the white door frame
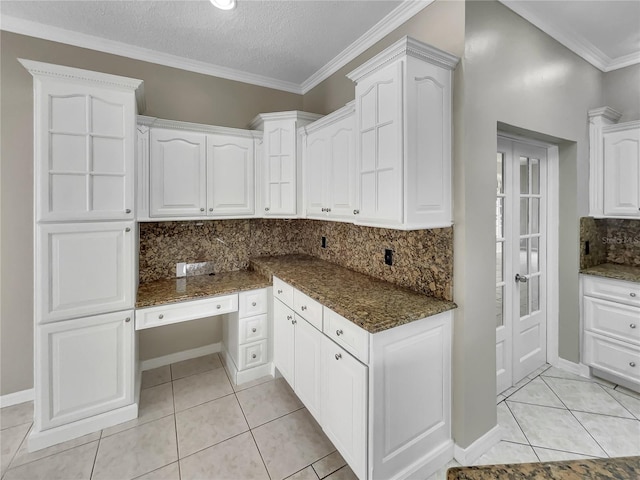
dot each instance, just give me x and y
(553, 241)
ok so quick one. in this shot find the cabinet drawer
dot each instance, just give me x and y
(612, 356)
(610, 289)
(252, 303)
(307, 308)
(613, 319)
(252, 329)
(283, 291)
(347, 334)
(181, 312)
(252, 355)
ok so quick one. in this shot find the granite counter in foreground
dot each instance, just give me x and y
(623, 468)
(614, 270)
(372, 304)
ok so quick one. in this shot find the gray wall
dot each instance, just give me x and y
(170, 93)
(621, 90)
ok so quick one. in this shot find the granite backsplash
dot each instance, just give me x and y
(611, 240)
(422, 259)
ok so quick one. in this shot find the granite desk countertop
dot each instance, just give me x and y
(171, 290)
(623, 468)
(614, 270)
(372, 304)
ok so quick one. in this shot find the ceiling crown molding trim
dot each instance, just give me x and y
(55, 34)
(574, 42)
(393, 20)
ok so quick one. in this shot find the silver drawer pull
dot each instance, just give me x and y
(202, 209)
(253, 330)
(253, 304)
(253, 356)
(266, 209)
(161, 316)
(303, 308)
(218, 307)
(632, 294)
(127, 229)
(356, 212)
(128, 319)
(338, 356)
(633, 325)
(294, 321)
(289, 317)
(279, 292)
(632, 364)
(128, 210)
(339, 332)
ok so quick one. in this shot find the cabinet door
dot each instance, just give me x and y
(279, 167)
(622, 173)
(283, 338)
(85, 151)
(84, 269)
(344, 404)
(316, 161)
(308, 342)
(178, 183)
(342, 182)
(85, 367)
(379, 146)
(230, 180)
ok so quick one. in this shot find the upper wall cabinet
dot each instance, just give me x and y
(329, 166)
(614, 186)
(279, 172)
(194, 171)
(85, 143)
(403, 137)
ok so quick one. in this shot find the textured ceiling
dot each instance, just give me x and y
(284, 40)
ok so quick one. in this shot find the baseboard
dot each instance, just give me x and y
(429, 464)
(15, 398)
(63, 433)
(467, 456)
(575, 368)
(180, 356)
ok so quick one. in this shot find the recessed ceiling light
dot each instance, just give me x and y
(224, 4)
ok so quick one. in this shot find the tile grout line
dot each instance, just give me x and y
(618, 402)
(95, 457)
(175, 426)
(13, 457)
(252, 435)
(522, 430)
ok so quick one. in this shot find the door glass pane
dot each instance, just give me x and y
(524, 299)
(524, 175)
(535, 175)
(500, 172)
(499, 217)
(499, 261)
(499, 306)
(524, 216)
(534, 260)
(535, 215)
(523, 267)
(535, 293)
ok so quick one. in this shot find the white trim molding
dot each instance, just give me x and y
(467, 456)
(180, 356)
(16, 398)
(579, 369)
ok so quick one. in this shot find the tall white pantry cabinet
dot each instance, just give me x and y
(85, 244)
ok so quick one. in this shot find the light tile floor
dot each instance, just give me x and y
(194, 424)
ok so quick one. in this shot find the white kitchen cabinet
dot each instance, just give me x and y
(344, 404)
(611, 323)
(622, 170)
(403, 137)
(284, 340)
(329, 166)
(279, 171)
(85, 368)
(84, 144)
(177, 169)
(307, 361)
(84, 269)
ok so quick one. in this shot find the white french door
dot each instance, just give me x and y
(521, 252)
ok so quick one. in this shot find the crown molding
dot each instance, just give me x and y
(606, 113)
(399, 15)
(60, 35)
(576, 43)
(344, 112)
(196, 127)
(296, 115)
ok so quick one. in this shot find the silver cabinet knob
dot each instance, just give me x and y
(128, 210)
(633, 325)
(338, 356)
(128, 319)
(328, 209)
(161, 316)
(632, 364)
(323, 209)
(253, 304)
(294, 321)
(632, 294)
(127, 229)
(303, 308)
(279, 292)
(289, 317)
(339, 332)
(356, 212)
(210, 209)
(202, 209)
(253, 356)
(254, 330)
(266, 209)
(218, 307)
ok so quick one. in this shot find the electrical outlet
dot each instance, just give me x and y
(388, 256)
(324, 242)
(586, 247)
(181, 269)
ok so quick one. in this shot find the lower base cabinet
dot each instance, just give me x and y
(85, 367)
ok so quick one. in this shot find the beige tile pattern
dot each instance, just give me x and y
(137, 451)
(10, 440)
(168, 472)
(207, 424)
(329, 464)
(632, 404)
(509, 427)
(200, 388)
(345, 473)
(290, 443)
(538, 393)
(16, 415)
(507, 452)
(194, 366)
(306, 474)
(620, 437)
(156, 376)
(268, 401)
(24, 456)
(547, 455)
(234, 459)
(73, 464)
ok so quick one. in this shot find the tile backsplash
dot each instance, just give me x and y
(611, 240)
(423, 259)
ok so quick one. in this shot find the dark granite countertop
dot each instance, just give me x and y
(372, 304)
(614, 270)
(171, 290)
(622, 468)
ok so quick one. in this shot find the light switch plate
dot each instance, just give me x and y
(181, 269)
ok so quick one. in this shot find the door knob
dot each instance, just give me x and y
(521, 278)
